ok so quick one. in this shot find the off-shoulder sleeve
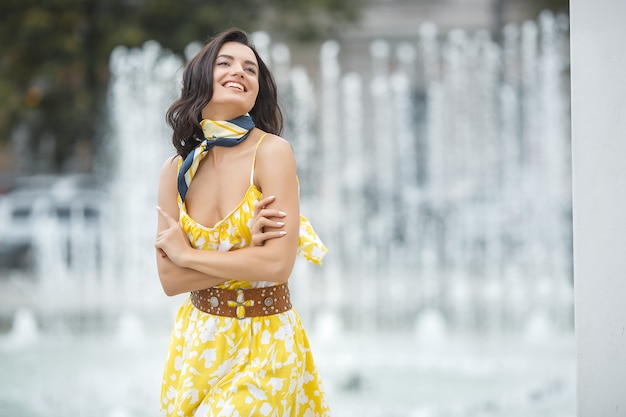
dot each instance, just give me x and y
(310, 246)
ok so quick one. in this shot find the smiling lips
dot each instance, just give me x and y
(234, 85)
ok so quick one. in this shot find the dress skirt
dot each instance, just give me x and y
(223, 366)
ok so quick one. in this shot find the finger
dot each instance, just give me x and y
(261, 238)
(264, 222)
(271, 213)
(160, 238)
(169, 219)
(260, 205)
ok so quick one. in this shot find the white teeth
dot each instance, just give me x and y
(235, 85)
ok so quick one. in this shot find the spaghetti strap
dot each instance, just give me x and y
(254, 159)
(179, 198)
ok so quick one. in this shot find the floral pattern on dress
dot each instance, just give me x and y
(256, 366)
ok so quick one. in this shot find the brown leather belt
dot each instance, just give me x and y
(253, 302)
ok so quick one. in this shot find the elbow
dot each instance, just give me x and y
(280, 271)
(169, 290)
(281, 279)
(281, 264)
(170, 287)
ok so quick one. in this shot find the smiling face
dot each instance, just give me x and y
(235, 82)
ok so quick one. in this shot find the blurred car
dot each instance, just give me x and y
(24, 211)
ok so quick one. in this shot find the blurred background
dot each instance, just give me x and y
(433, 148)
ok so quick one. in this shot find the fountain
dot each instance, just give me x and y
(460, 204)
(439, 180)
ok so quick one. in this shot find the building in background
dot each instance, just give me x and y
(400, 20)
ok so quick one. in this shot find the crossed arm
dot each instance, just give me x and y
(182, 268)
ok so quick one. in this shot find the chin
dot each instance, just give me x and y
(224, 109)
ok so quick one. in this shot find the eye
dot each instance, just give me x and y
(251, 70)
(222, 63)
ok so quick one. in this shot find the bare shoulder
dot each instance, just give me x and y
(170, 166)
(168, 185)
(275, 161)
(274, 147)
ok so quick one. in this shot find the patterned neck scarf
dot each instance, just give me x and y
(216, 133)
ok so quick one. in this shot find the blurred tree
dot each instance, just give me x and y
(54, 55)
(534, 7)
(557, 6)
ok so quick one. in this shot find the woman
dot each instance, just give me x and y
(237, 347)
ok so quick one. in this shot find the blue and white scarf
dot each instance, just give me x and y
(216, 133)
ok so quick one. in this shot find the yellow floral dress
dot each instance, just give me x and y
(257, 366)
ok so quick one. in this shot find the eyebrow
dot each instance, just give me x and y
(233, 58)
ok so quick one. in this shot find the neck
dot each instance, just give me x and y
(221, 113)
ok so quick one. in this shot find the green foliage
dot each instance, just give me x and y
(558, 6)
(54, 53)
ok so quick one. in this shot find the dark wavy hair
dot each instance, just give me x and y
(185, 114)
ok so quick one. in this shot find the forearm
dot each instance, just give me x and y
(177, 280)
(247, 264)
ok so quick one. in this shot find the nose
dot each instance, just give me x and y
(237, 69)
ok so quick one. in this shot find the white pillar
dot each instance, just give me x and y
(598, 31)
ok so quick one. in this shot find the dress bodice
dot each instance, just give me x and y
(233, 231)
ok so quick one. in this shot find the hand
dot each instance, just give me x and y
(262, 218)
(171, 242)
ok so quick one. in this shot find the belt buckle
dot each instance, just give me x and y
(240, 305)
